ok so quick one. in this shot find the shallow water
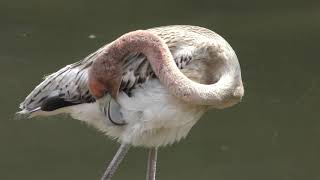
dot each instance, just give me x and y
(273, 134)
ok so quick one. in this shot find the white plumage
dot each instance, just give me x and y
(153, 116)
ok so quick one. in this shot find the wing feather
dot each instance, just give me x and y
(68, 86)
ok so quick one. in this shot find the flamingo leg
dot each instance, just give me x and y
(118, 157)
(152, 164)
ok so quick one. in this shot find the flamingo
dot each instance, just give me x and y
(146, 89)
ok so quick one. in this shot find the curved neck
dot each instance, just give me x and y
(106, 72)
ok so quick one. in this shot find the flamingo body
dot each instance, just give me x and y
(152, 116)
(133, 98)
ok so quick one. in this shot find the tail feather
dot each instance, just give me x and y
(26, 114)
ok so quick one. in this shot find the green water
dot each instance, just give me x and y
(272, 135)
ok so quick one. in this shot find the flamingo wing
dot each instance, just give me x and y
(68, 86)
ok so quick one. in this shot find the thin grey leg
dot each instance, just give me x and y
(112, 167)
(152, 164)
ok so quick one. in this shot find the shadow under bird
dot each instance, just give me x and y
(147, 88)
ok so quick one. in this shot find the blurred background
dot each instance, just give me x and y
(273, 134)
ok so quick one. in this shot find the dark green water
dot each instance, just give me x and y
(272, 135)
